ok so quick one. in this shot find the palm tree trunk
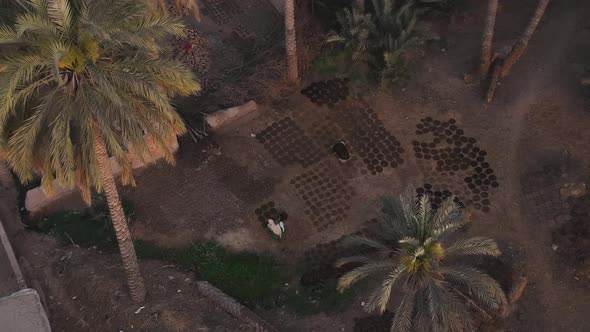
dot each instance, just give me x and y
(488, 36)
(130, 264)
(291, 41)
(520, 46)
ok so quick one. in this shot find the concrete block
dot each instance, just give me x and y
(23, 312)
(222, 118)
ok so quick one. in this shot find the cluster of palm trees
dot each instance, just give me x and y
(83, 81)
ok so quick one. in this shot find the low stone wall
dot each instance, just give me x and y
(222, 118)
(39, 203)
(233, 307)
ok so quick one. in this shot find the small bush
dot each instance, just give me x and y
(248, 277)
(378, 36)
(81, 229)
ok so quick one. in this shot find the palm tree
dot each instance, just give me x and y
(84, 84)
(291, 41)
(416, 256)
(488, 36)
(520, 46)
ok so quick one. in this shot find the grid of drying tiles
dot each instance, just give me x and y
(326, 193)
(288, 144)
(327, 92)
(378, 148)
(456, 155)
(573, 235)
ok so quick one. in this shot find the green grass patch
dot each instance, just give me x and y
(86, 229)
(248, 277)
(324, 298)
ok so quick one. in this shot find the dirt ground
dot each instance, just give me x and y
(533, 134)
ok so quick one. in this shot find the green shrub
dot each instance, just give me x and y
(248, 277)
(85, 229)
(81, 229)
(377, 36)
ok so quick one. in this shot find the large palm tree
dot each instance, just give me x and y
(415, 256)
(85, 82)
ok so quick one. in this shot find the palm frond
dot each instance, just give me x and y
(478, 245)
(359, 240)
(356, 259)
(448, 229)
(402, 320)
(395, 216)
(484, 287)
(448, 212)
(423, 217)
(363, 271)
(61, 15)
(380, 296)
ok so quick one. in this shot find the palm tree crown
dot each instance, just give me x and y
(415, 255)
(77, 65)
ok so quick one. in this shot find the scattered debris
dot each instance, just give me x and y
(572, 190)
(139, 309)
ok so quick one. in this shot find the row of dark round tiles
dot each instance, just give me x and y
(326, 196)
(327, 92)
(454, 152)
(377, 148)
(288, 144)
